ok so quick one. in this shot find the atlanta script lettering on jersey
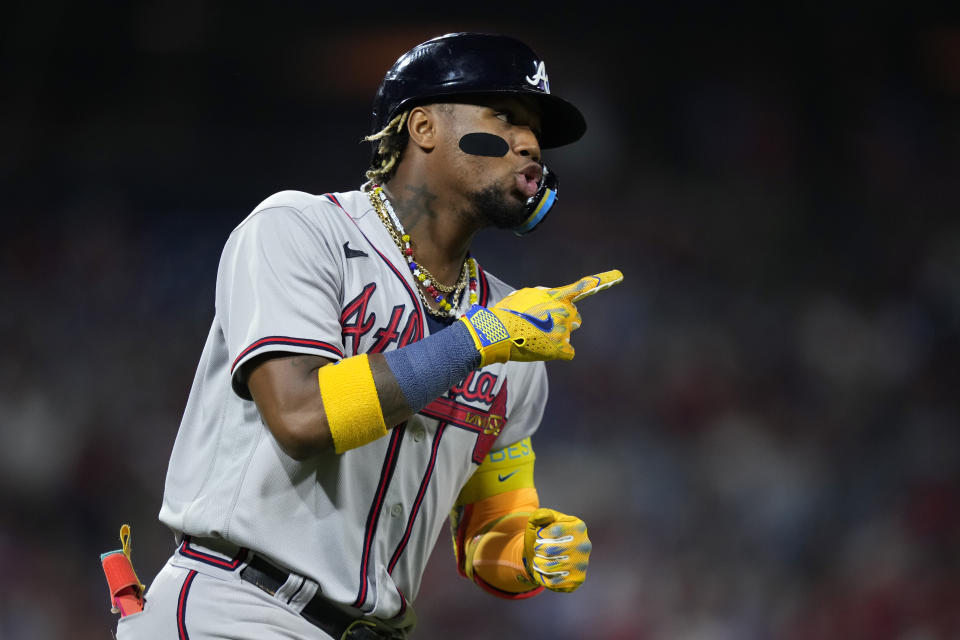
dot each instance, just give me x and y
(477, 386)
(355, 323)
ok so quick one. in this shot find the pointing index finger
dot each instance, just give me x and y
(588, 285)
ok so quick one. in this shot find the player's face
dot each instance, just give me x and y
(499, 176)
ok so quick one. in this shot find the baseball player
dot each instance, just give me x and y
(365, 378)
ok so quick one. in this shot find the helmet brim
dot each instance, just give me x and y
(561, 123)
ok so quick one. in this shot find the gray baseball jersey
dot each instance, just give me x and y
(321, 275)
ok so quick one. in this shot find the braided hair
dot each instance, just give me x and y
(392, 141)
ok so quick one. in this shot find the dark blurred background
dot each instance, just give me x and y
(761, 424)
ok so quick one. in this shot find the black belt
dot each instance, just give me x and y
(320, 612)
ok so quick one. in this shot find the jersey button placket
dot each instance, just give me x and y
(396, 510)
(419, 434)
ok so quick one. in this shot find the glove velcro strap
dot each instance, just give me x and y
(489, 334)
(487, 328)
(351, 403)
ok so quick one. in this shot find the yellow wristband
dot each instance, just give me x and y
(351, 403)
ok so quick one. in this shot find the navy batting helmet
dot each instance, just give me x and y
(461, 64)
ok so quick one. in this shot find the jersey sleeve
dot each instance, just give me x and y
(525, 402)
(279, 288)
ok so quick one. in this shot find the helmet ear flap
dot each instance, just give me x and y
(540, 203)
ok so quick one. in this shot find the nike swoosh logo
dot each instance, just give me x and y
(502, 478)
(352, 253)
(544, 324)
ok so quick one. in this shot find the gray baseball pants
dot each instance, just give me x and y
(187, 603)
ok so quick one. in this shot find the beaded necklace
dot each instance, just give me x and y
(446, 308)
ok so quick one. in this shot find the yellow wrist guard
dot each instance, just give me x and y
(351, 403)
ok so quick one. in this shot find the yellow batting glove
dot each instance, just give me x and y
(533, 323)
(556, 550)
(587, 286)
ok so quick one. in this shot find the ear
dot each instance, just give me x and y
(423, 126)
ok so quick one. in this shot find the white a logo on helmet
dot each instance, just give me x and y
(539, 78)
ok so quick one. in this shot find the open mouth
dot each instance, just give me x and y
(528, 180)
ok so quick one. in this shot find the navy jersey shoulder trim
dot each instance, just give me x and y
(483, 285)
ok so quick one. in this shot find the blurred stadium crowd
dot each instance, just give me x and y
(762, 424)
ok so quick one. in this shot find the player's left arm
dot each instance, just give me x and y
(504, 541)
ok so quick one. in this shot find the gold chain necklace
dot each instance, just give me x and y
(437, 291)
